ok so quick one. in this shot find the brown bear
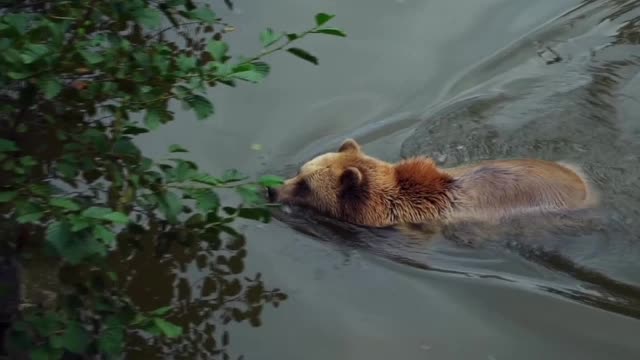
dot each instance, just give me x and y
(353, 187)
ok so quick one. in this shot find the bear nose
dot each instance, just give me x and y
(272, 194)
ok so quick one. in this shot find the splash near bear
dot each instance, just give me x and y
(351, 186)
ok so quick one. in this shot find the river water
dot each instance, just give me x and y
(458, 80)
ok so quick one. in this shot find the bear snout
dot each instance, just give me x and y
(272, 194)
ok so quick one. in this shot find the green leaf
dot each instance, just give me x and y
(58, 234)
(322, 18)
(7, 196)
(170, 205)
(268, 37)
(251, 194)
(156, 116)
(73, 247)
(51, 87)
(124, 146)
(111, 340)
(91, 57)
(105, 234)
(168, 329)
(46, 323)
(204, 14)
(75, 338)
(30, 217)
(162, 311)
(33, 53)
(200, 105)
(7, 146)
(250, 75)
(218, 49)
(253, 72)
(261, 67)
(68, 170)
(28, 212)
(116, 217)
(27, 58)
(138, 319)
(258, 214)
(271, 181)
(233, 175)
(183, 171)
(96, 212)
(16, 75)
(81, 249)
(40, 353)
(134, 130)
(186, 63)
(302, 54)
(79, 223)
(207, 179)
(102, 213)
(18, 21)
(175, 148)
(331, 31)
(44, 190)
(223, 70)
(229, 4)
(149, 17)
(206, 199)
(56, 342)
(28, 161)
(64, 203)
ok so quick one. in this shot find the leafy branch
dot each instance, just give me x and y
(80, 80)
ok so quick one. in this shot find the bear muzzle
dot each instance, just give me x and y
(272, 194)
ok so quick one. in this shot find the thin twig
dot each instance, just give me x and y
(175, 27)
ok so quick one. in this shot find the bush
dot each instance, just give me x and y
(80, 80)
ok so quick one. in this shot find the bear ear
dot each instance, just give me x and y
(351, 177)
(349, 145)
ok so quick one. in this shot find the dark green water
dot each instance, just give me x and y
(458, 80)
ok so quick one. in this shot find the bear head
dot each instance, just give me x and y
(340, 184)
(354, 187)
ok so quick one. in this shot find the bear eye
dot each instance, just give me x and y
(302, 188)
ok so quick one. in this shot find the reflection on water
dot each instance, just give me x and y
(538, 240)
(207, 288)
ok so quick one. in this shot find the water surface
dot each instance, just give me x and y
(461, 81)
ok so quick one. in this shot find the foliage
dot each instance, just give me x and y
(80, 80)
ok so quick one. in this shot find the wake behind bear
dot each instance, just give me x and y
(534, 208)
(351, 186)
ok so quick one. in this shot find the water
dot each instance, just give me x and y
(459, 80)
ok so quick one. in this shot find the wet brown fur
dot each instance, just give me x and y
(354, 187)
